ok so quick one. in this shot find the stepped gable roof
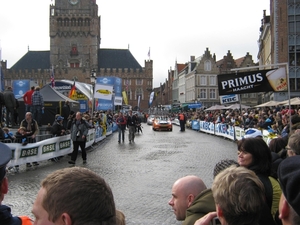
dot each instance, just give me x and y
(117, 58)
(239, 61)
(220, 62)
(33, 60)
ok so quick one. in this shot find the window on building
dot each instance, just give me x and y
(297, 83)
(207, 65)
(66, 22)
(139, 81)
(203, 93)
(127, 82)
(202, 80)
(59, 22)
(212, 93)
(128, 92)
(212, 80)
(294, 55)
(73, 22)
(74, 65)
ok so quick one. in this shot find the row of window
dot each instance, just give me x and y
(202, 80)
(73, 22)
(212, 93)
(127, 82)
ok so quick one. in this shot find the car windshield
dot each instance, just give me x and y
(162, 118)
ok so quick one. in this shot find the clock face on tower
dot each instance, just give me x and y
(73, 2)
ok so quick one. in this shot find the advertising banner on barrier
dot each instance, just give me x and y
(239, 133)
(44, 150)
(224, 130)
(99, 134)
(109, 129)
(207, 127)
(195, 125)
(253, 81)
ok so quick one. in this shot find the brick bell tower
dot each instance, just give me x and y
(74, 35)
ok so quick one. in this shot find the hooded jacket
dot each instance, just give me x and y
(203, 204)
(6, 217)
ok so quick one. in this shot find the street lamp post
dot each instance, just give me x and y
(93, 82)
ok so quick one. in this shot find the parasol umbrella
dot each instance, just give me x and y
(237, 106)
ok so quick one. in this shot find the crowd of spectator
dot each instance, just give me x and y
(275, 118)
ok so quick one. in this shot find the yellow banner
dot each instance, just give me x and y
(125, 97)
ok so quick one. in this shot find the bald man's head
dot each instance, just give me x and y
(190, 185)
(184, 192)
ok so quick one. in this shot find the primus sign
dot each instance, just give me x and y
(253, 81)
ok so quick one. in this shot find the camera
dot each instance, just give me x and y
(215, 221)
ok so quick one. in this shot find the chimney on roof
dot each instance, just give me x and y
(192, 58)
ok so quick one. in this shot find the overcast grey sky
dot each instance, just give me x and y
(172, 29)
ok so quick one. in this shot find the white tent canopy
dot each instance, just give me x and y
(215, 107)
(294, 101)
(270, 103)
(237, 106)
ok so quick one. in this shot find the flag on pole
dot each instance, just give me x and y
(125, 97)
(139, 100)
(52, 78)
(151, 98)
(127, 82)
(149, 53)
(72, 91)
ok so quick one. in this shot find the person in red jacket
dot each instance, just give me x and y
(121, 122)
(27, 99)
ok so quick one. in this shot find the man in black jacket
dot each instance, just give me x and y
(131, 123)
(65, 113)
(57, 128)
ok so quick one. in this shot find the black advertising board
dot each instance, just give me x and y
(253, 81)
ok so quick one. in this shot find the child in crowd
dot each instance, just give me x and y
(21, 136)
(8, 134)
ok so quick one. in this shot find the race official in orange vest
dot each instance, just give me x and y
(6, 217)
(182, 121)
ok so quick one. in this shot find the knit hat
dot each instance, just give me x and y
(223, 164)
(289, 178)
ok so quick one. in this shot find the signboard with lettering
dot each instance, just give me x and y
(227, 99)
(253, 81)
(45, 149)
(20, 87)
